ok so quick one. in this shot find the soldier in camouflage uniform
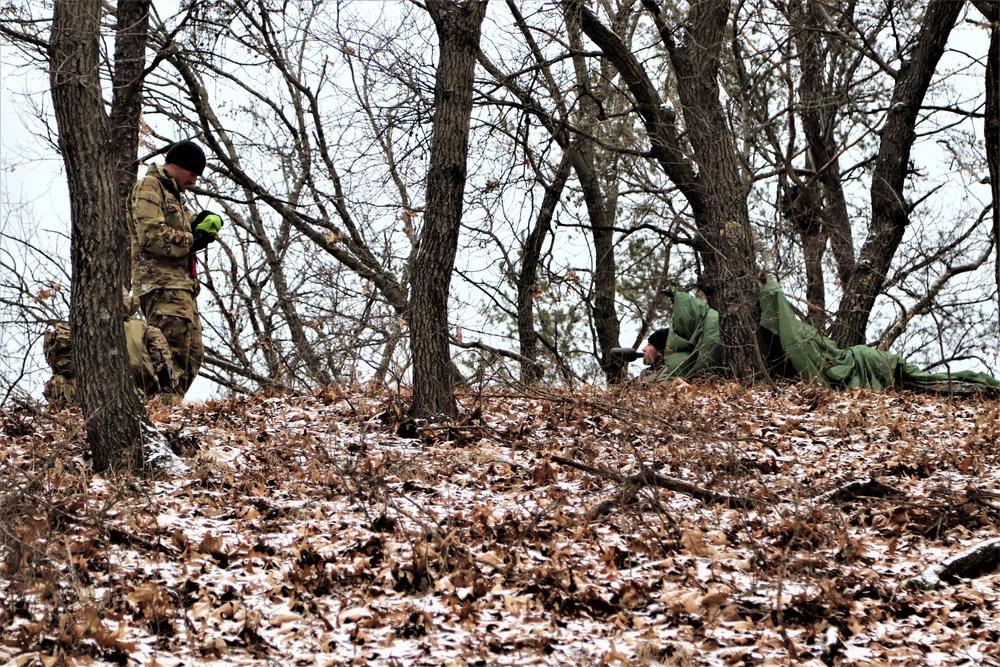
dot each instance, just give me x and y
(165, 236)
(150, 357)
(148, 353)
(60, 390)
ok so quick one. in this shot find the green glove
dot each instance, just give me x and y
(207, 222)
(205, 228)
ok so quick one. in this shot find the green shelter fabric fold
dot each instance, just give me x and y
(795, 350)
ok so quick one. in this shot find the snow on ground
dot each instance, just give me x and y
(307, 531)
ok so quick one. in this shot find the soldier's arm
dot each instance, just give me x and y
(154, 235)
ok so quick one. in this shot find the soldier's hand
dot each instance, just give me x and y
(205, 228)
(201, 240)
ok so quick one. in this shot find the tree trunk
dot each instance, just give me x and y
(801, 207)
(112, 409)
(993, 126)
(602, 215)
(131, 33)
(991, 10)
(458, 28)
(890, 210)
(731, 280)
(601, 202)
(819, 105)
(717, 195)
(531, 370)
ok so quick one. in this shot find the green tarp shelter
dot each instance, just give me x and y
(796, 350)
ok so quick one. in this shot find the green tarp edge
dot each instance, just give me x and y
(794, 349)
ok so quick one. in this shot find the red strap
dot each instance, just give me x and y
(194, 266)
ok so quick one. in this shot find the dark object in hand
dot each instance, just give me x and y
(627, 353)
(201, 240)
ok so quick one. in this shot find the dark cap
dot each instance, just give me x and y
(658, 339)
(187, 155)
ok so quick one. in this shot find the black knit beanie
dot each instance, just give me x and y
(187, 155)
(658, 339)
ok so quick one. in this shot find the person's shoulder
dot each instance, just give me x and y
(150, 187)
(148, 182)
(154, 177)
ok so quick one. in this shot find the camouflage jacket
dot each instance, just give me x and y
(160, 229)
(58, 349)
(148, 352)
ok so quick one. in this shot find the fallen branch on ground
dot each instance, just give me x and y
(975, 562)
(647, 477)
(868, 488)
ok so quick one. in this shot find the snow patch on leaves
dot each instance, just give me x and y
(305, 529)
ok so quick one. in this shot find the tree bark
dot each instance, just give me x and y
(131, 33)
(801, 207)
(602, 204)
(112, 409)
(458, 28)
(731, 279)
(819, 105)
(991, 10)
(890, 210)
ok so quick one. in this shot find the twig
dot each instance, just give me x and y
(647, 477)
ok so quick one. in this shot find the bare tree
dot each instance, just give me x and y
(715, 190)
(890, 209)
(584, 113)
(286, 312)
(458, 25)
(531, 370)
(114, 415)
(991, 10)
(319, 118)
(820, 59)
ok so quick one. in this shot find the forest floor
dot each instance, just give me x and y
(682, 524)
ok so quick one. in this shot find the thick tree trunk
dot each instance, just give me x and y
(458, 28)
(731, 279)
(716, 192)
(111, 405)
(890, 210)
(993, 127)
(991, 10)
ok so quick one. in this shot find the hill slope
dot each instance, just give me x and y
(682, 524)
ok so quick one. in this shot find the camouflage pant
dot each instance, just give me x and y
(60, 391)
(175, 313)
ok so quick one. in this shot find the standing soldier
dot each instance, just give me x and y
(165, 237)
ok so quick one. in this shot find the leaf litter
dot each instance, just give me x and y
(679, 524)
